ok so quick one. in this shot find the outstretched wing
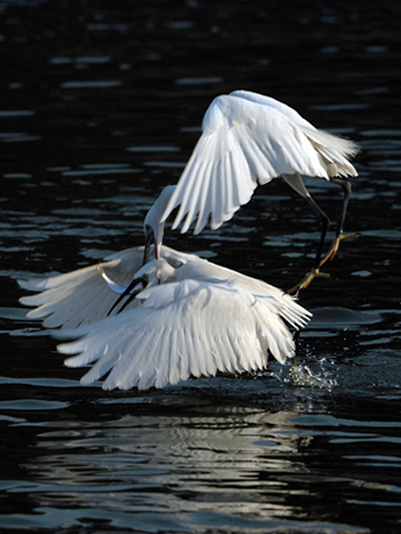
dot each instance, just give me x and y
(182, 329)
(249, 139)
(80, 296)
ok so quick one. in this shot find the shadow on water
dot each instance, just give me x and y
(101, 107)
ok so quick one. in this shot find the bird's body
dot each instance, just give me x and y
(194, 317)
(192, 320)
(250, 139)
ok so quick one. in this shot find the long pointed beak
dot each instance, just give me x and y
(148, 241)
(150, 238)
(158, 248)
(130, 292)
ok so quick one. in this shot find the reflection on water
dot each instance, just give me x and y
(261, 468)
(101, 108)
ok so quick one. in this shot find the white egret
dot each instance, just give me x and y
(249, 139)
(182, 315)
(193, 320)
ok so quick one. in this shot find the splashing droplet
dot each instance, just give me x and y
(303, 376)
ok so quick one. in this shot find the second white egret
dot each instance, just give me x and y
(249, 139)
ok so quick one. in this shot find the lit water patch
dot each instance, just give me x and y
(17, 137)
(336, 316)
(199, 81)
(91, 84)
(17, 113)
(79, 60)
(87, 170)
(149, 148)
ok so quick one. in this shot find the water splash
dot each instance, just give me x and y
(303, 376)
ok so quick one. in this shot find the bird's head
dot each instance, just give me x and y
(154, 273)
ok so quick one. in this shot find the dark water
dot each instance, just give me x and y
(101, 104)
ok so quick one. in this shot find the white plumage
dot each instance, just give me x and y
(194, 318)
(249, 139)
(81, 296)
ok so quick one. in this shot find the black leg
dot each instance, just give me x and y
(324, 221)
(346, 186)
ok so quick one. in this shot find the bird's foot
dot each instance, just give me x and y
(232, 374)
(335, 246)
(307, 280)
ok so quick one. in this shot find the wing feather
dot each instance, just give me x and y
(80, 296)
(203, 202)
(193, 203)
(182, 329)
(262, 139)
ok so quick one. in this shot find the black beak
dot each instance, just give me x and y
(129, 293)
(150, 238)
